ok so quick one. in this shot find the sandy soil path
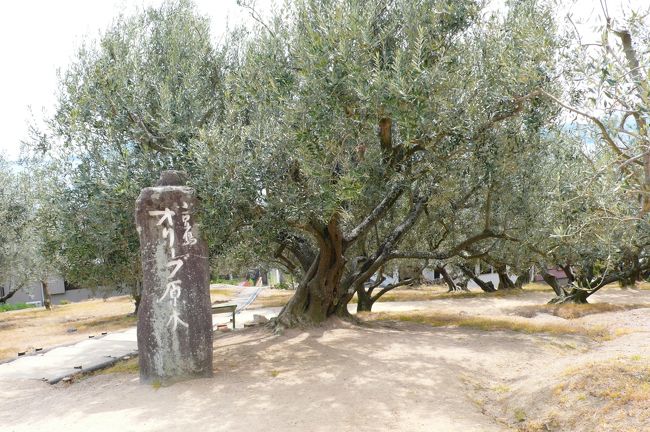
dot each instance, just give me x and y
(346, 379)
(382, 377)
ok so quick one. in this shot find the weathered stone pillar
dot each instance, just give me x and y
(175, 316)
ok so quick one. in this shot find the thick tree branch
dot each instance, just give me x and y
(373, 217)
(382, 253)
(454, 251)
(298, 247)
(485, 286)
(403, 282)
(11, 293)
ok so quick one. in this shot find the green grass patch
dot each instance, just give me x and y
(129, 366)
(437, 319)
(227, 281)
(520, 415)
(17, 306)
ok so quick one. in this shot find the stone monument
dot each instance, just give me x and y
(175, 315)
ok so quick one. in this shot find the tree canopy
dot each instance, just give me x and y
(337, 138)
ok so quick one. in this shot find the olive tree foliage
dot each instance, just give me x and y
(24, 238)
(346, 123)
(579, 221)
(609, 90)
(595, 236)
(14, 217)
(129, 106)
(594, 224)
(608, 93)
(509, 201)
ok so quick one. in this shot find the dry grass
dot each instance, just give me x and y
(221, 293)
(272, 298)
(612, 395)
(573, 311)
(28, 329)
(643, 286)
(278, 298)
(129, 366)
(438, 292)
(438, 319)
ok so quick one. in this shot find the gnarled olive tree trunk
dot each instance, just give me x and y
(523, 277)
(572, 295)
(504, 280)
(585, 286)
(364, 301)
(320, 291)
(485, 286)
(47, 298)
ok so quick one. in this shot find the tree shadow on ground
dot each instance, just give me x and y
(395, 376)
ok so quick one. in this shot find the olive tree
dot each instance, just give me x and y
(607, 93)
(580, 222)
(335, 137)
(129, 106)
(25, 234)
(345, 123)
(14, 217)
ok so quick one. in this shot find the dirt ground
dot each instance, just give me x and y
(27, 329)
(381, 375)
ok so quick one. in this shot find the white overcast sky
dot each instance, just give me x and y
(38, 37)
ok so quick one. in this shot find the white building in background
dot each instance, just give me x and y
(33, 293)
(485, 273)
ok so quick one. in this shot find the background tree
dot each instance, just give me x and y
(601, 221)
(129, 106)
(24, 238)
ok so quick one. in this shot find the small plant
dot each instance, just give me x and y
(64, 302)
(275, 373)
(520, 415)
(282, 286)
(128, 366)
(17, 306)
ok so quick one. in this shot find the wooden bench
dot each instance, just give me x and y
(225, 308)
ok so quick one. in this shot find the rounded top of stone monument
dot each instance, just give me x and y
(172, 178)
